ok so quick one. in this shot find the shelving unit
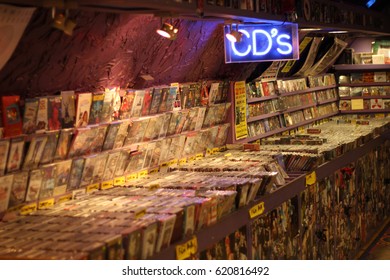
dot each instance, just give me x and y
(349, 69)
(208, 236)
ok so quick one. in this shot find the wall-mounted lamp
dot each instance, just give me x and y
(167, 30)
(234, 35)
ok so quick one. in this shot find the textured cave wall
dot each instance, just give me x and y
(114, 50)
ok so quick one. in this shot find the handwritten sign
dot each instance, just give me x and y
(186, 250)
(256, 210)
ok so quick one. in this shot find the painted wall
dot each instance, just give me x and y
(114, 49)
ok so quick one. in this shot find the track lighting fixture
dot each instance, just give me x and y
(62, 22)
(234, 35)
(167, 30)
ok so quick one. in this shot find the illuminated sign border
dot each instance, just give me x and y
(262, 42)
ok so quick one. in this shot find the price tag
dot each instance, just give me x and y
(64, 198)
(45, 204)
(186, 250)
(92, 188)
(256, 210)
(165, 164)
(311, 179)
(182, 161)
(119, 181)
(173, 162)
(228, 155)
(28, 209)
(191, 158)
(107, 185)
(142, 173)
(380, 116)
(131, 177)
(140, 214)
(154, 170)
(199, 156)
(215, 150)
(209, 152)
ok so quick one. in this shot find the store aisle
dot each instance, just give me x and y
(380, 250)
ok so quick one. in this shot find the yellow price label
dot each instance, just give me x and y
(107, 185)
(154, 170)
(131, 177)
(182, 161)
(15, 208)
(215, 150)
(191, 158)
(142, 173)
(381, 116)
(64, 198)
(119, 181)
(165, 164)
(199, 156)
(29, 208)
(209, 152)
(257, 210)
(311, 179)
(44, 204)
(228, 155)
(186, 250)
(140, 214)
(92, 188)
(174, 161)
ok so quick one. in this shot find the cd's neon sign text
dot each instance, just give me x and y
(263, 43)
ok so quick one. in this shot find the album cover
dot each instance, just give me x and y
(345, 105)
(30, 115)
(112, 131)
(81, 136)
(99, 134)
(15, 155)
(108, 105)
(113, 159)
(42, 114)
(344, 91)
(165, 144)
(156, 100)
(223, 131)
(54, 112)
(138, 102)
(76, 174)
(147, 102)
(376, 104)
(213, 92)
(96, 108)
(12, 120)
(356, 78)
(165, 121)
(195, 92)
(122, 134)
(181, 121)
(99, 167)
(166, 101)
(156, 153)
(88, 171)
(122, 163)
(127, 104)
(19, 189)
(204, 94)
(175, 119)
(136, 131)
(35, 151)
(135, 162)
(149, 239)
(167, 224)
(356, 91)
(68, 110)
(190, 119)
(117, 103)
(380, 77)
(63, 173)
(83, 108)
(4, 149)
(49, 173)
(386, 104)
(176, 147)
(154, 127)
(175, 91)
(5, 191)
(63, 145)
(147, 150)
(34, 185)
(50, 147)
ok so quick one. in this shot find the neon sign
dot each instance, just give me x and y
(262, 43)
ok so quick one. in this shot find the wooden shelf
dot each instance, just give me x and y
(365, 97)
(208, 236)
(365, 84)
(261, 117)
(293, 109)
(327, 101)
(282, 129)
(263, 98)
(373, 111)
(361, 67)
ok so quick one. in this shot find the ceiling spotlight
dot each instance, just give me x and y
(234, 36)
(168, 31)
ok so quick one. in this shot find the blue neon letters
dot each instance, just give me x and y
(263, 43)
